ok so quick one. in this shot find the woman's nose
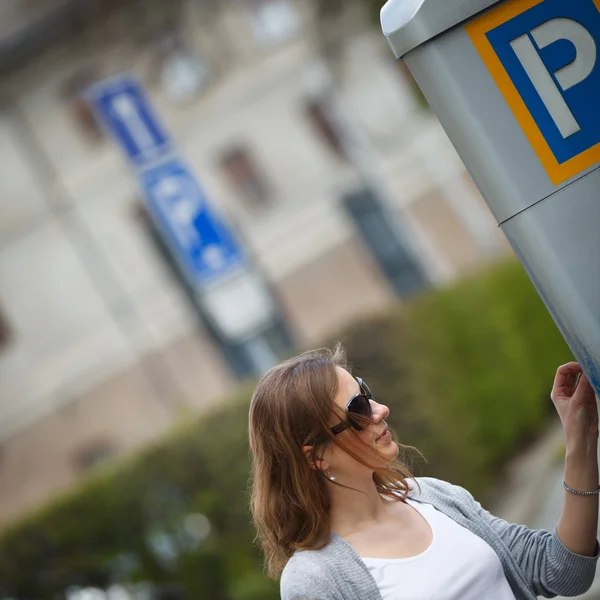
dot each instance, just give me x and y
(380, 411)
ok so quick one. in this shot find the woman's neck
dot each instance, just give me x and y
(351, 510)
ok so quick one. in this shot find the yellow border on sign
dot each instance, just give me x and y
(477, 31)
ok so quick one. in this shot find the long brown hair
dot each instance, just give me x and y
(290, 408)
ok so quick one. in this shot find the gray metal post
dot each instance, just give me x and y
(523, 112)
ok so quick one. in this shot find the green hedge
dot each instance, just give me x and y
(465, 370)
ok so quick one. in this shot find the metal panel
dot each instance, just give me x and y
(557, 242)
(517, 89)
(480, 124)
(410, 23)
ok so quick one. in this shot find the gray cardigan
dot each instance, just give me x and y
(536, 563)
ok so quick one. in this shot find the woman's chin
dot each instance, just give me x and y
(388, 454)
(394, 451)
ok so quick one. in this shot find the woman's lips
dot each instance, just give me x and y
(384, 436)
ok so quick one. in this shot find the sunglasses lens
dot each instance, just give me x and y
(364, 388)
(359, 412)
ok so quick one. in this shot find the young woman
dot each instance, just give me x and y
(343, 518)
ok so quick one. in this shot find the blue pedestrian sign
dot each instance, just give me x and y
(121, 104)
(545, 57)
(202, 244)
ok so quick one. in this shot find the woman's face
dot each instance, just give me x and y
(373, 436)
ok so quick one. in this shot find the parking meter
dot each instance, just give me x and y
(516, 86)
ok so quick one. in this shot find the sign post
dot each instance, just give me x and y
(231, 293)
(516, 86)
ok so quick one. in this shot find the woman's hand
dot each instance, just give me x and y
(575, 402)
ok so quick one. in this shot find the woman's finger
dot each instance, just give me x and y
(570, 367)
(565, 379)
(584, 388)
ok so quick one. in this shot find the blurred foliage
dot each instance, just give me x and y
(466, 371)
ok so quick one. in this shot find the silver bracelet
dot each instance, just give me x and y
(579, 492)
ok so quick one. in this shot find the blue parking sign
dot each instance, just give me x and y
(544, 57)
(203, 245)
(122, 105)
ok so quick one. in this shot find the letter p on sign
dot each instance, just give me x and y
(543, 55)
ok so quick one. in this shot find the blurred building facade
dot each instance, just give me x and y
(100, 348)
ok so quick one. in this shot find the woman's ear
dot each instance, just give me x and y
(315, 462)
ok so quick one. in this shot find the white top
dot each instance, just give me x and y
(458, 565)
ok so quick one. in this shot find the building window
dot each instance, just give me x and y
(79, 108)
(324, 127)
(274, 21)
(183, 72)
(243, 174)
(331, 9)
(5, 333)
(94, 455)
(395, 254)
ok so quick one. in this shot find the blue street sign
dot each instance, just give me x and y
(121, 104)
(203, 245)
(545, 58)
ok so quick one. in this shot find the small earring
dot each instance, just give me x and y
(329, 476)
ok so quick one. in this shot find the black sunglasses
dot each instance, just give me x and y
(358, 412)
